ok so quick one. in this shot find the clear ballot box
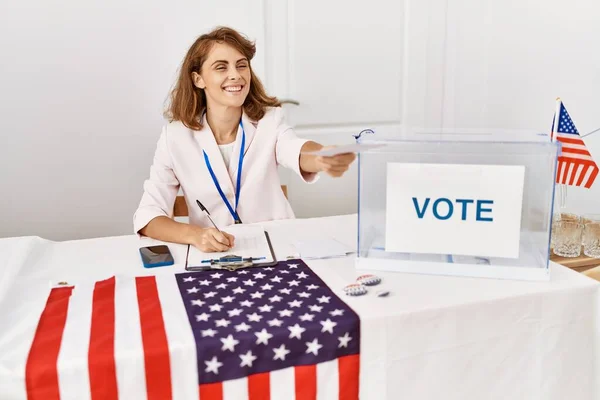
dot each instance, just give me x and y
(471, 203)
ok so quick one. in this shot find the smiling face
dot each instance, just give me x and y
(225, 76)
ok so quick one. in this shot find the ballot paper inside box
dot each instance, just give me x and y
(471, 203)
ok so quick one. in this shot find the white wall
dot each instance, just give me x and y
(463, 64)
(346, 71)
(83, 84)
(501, 64)
(82, 88)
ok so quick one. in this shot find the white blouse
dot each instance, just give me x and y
(226, 151)
(179, 162)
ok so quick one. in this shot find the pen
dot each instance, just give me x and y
(242, 259)
(207, 214)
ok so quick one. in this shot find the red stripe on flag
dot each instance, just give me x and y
(575, 151)
(569, 167)
(211, 391)
(592, 178)
(575, 160)
(41, 376)
(573, 174)
(570, 140)
(306, 382)
(559, 172)
(101, 353)
(348, 375)
(259, 386)
(583, 172)
(154, 338)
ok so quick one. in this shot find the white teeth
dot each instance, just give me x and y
(233, 88)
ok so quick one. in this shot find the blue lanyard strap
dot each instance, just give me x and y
(239, 172)
(232, 211)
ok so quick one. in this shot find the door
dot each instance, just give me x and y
(340, 65)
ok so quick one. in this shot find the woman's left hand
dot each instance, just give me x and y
(335, 165)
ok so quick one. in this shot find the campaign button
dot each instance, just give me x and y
(368, 280)
(355, 289)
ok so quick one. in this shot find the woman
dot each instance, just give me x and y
(222, 146)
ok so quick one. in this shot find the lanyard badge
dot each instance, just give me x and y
(232, 211)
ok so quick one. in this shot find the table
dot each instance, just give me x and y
(579, 264)
(433, 337)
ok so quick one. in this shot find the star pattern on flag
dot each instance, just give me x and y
(566, 123)
(213, 365)
(229, 343)
(280, 353)
(261, 319)
(576, 166)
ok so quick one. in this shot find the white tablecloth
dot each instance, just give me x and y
(434, 337)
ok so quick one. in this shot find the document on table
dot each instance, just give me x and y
(250, 241)
(348, 148)
(321, 248)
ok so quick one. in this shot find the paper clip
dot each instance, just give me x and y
(361, 132)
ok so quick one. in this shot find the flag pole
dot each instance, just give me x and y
(562, 189)
(556, 119)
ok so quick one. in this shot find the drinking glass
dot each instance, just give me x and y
(587, 218)
(567, 242)
(563, 216)
(591, 239)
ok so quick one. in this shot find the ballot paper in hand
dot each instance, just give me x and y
(349, 148)
(250, 241)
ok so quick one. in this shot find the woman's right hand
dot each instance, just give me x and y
(210, 240)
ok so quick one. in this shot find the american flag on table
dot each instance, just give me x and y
(576, 167)
(261, 333)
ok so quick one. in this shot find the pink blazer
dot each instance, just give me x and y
(179, 162)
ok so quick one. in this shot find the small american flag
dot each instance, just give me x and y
(575, 164)
(261, 333)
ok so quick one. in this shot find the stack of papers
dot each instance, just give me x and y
(250, 241)
(321, 248)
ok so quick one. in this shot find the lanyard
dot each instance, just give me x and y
(232, 211)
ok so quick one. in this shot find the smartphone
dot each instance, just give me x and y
(156, 256)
